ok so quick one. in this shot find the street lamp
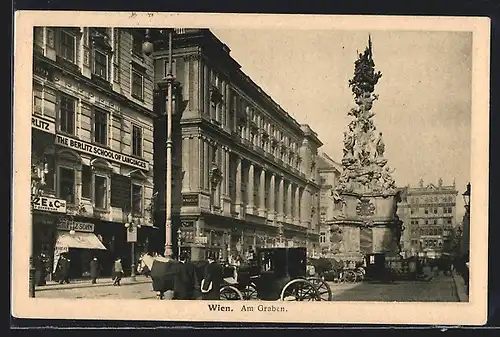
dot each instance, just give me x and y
(132, 227)
(147, 48)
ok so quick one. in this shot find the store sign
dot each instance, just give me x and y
(48, 204)
(201, 240)
(102, 152)
(190, 200)
(132, 234)
(67, 225)
(43, 125)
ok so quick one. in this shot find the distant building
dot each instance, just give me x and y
(428, 213)
(329, 173)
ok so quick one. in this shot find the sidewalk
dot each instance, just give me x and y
(460, 287)
(105, 281)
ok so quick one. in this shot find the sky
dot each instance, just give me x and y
(424, 105)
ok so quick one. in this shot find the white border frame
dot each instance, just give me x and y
(471, 313)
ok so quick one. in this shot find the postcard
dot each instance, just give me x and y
(250, 168)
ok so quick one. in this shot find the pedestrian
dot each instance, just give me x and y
(210, 285)
(186, 280)
(40, 270)
(65, 264)
(94, 270)
(117, 272)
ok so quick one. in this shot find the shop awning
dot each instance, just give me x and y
(79, 240)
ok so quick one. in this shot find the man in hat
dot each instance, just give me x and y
(210, 285)
(94, 270)
(186, 281)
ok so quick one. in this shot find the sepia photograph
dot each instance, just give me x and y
(237, 164)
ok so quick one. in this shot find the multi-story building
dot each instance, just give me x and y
(428, 213)
(244, 171)
(92, 138)
(329, 174)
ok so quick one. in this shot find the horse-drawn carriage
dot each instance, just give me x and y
(275, 274)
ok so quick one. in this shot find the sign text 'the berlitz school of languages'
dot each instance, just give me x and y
(95, 150)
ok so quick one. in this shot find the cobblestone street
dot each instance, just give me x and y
(440, 289)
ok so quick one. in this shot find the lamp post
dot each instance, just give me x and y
(132, 227)
(38, 172)
(147, 48)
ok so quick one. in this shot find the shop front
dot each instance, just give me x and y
(222, 236)
(78, 242)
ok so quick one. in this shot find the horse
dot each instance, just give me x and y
(162, 273)
(142, 268)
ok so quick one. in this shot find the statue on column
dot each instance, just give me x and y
(349, 142)
(380, 147)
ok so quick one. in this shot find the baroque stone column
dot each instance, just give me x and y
(262, 194)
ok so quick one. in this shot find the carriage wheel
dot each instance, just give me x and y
(299, 290)
(325, 293)
(250, 292)
(230, 293)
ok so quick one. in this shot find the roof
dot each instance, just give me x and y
(325, 162)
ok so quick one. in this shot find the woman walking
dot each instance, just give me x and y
(117, 272)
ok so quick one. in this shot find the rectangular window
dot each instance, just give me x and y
(137, 83)
(101, 64)
(136, 199)
(67, 184)
(435, 210)
(37, 98)
(100, 126)
(67, 107)
(86, 182)
(137, 45)
(426, 211)
(100, 191)
(67, 46)
(322, 237)
(136, 141)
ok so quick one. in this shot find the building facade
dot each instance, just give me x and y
(92, 138)
(428, 213)
(245, 172)
(329, 173)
